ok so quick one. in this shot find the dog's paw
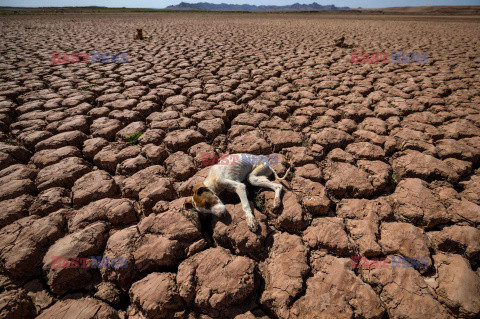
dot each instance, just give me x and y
(276, 203)
(252, 224)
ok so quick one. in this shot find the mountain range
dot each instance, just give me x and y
(205, 6)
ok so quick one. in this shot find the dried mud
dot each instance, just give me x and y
(384, 163)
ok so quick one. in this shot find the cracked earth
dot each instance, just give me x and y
(384, 162)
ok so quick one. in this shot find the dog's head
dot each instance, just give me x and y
(139, 31)
(205, 201)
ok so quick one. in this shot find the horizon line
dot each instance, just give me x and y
(273, 5)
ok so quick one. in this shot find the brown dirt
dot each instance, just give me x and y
(384, 158)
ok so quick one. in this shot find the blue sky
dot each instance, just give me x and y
(164, 3)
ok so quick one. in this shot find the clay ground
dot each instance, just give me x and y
(384, 159)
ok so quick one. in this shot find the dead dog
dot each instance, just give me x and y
(229, 174)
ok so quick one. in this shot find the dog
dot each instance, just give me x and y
(340, 43)
(230, 175)
(139, 34)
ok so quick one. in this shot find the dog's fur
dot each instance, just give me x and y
(139, 34)
(230, 176)
(340, 43)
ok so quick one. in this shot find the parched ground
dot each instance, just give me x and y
(384, 158)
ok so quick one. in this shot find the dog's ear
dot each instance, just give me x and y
(188, 204)
(199, 189)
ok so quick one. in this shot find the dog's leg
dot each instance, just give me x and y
(258, 177)
(241, 191)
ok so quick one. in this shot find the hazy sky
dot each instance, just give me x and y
(164, 3)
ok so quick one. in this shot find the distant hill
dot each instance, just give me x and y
(205, 6)
(435, 10)
(472, 11)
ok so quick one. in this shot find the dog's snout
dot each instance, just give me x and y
(219, 210)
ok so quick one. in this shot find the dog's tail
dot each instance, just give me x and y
(281, 178)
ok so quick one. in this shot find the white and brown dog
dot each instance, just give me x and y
(229, 174)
